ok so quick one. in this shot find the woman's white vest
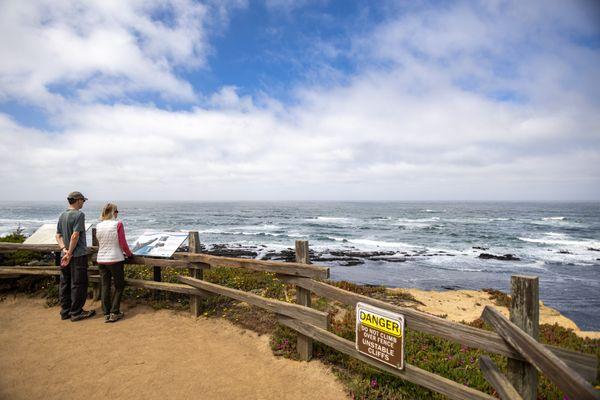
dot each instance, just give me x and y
(109, 249)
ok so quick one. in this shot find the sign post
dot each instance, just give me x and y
(380, 334)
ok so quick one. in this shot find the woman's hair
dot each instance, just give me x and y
(108, 211)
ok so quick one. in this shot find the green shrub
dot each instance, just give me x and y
(19, 257)
(16, 237)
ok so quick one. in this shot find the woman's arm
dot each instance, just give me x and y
(123, 240)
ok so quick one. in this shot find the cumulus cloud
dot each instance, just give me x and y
(472, 101)
(97, 50)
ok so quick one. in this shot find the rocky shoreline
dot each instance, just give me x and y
(343, 257)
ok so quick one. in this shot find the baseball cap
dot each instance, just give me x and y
(76, 196)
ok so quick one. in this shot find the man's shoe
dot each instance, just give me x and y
(107, 318)
(115, 317)
(83, 315)
(65, 317)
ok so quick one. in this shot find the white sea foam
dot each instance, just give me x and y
(554, 218)
(419, 223)
(297, 234)
(265, 227)
(331, 220)
(370, 243)
(563, 240)
(563, 249)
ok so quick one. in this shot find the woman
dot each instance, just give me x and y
(112, 250)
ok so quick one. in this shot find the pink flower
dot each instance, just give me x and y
(373, 383)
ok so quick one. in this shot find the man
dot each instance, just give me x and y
(70, 235)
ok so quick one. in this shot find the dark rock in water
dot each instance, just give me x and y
(361, 254)
(351, 263)
(593, 249)
(233, 253)
(389, 259)
(480, 248)
(506, 257)
(564, 252)
(289, 255)
(347, 260)
(224, 251)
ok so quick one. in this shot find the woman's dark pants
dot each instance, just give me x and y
(112, 304)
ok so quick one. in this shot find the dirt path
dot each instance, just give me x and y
(148, 355)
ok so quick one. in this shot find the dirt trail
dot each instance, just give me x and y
(148, 355)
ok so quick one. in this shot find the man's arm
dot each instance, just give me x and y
(59, 238)
(60, 241)
(73, 242)
(66, 259)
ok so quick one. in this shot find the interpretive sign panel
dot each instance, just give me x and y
(158, 244)
(46, 234)
(380, 334)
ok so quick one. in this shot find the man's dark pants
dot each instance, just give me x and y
(112, 305)
(73, 286)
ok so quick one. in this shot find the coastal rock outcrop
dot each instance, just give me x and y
(505, 257)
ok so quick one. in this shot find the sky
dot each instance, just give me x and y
(300, 100)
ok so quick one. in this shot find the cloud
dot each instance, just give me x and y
(99, 50)
(470, 101)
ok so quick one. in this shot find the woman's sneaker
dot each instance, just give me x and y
(107, 318)
(115, 317)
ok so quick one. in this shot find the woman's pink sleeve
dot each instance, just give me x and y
(123, 240)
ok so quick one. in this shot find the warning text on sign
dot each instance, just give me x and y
(380, 334)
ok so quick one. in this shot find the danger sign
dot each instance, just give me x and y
(380, 334)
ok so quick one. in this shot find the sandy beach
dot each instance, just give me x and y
(467, 305)
(148, 355)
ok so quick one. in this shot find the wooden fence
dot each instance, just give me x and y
(515, 338)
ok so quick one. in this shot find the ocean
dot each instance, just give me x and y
(426, 245)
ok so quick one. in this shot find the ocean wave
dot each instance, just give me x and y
(562, 249)
(295, 234)
(330, 220)
(554, 218)
(419, 223)
(370, 243)
(267, 227)
(562, 240)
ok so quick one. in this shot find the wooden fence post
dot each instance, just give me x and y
(194, 247)
(304, 345)
(157, 277)
(525, 313)
(95, 286)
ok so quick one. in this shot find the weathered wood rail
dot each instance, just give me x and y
(312, 324)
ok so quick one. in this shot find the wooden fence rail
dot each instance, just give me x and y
(499, 382)
(312, 324)
(410, 373)
(553, 368)
(584, 364)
